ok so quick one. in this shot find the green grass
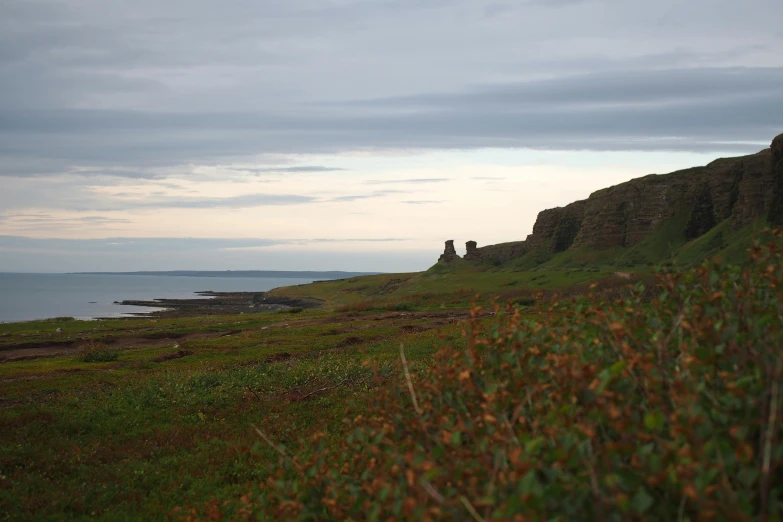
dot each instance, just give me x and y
(458, 284)
(661, 406)
(131, 439)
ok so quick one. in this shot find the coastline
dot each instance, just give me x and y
(219, 303)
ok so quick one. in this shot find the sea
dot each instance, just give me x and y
(26, 297)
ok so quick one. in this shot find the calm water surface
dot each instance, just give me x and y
(24, 297)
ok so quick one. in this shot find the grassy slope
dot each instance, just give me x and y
(132, 439)
(662, 406)
(457, 284)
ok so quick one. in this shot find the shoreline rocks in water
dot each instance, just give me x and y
(218, 303)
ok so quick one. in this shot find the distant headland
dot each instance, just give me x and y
(283, 274)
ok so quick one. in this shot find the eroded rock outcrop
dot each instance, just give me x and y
(776, 206)
(494, 254)
(556, 228)
(741, 189)
(449, 253)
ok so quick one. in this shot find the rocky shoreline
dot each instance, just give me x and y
(218, 303)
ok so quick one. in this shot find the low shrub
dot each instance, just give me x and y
(96, 352)
(666, 408)
(526, 301)
(360, 306)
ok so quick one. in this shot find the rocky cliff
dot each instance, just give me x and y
(776, 207)
(738, 189)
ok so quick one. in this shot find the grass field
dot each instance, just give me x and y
(132, 439)
(153, 419)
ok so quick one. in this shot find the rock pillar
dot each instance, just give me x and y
(449, 253)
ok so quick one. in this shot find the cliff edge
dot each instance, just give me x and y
(739, 190)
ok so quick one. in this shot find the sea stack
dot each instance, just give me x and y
(449, 253)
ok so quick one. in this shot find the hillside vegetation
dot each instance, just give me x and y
(654, 399)
(665, 405)
(622, 363)
(459, 283)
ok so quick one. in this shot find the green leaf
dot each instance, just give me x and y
(529, 484)
(642, 501)
(534, 445)
(617, 368)
(654, 420)
(748, 476)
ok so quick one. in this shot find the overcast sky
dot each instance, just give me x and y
(353, 134)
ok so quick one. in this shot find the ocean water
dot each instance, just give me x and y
(24, 297)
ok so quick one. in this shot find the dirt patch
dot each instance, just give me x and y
(350, 341)
(169, 356)
(7, 403)
(164, 335)
(338, 331)
(45, 350)
(392, 285)
(37, 376)
(38, 344)
(27, 351)
(278, 357)
(414, 328)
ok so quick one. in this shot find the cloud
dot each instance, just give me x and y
(115, 172)
(244, 201)
(422, 202)
(419, 180)
(320, 241)
(160, 244)
(371, 195)
(114, 89)
(732, 110)
(132, 95)
(54, 221)
(297, 169)
(24, 254)
(178, 202)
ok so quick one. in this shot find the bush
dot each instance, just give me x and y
(95, 352)
(401, 307)
(666, 409)
(526, 301)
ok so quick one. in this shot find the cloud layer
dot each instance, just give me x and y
(125, 85)
(148, 118)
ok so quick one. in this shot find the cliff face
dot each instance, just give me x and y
(501, 253)
(776, 207)
(740, 189)
(737, 188)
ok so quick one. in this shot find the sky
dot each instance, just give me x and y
(353, 134)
